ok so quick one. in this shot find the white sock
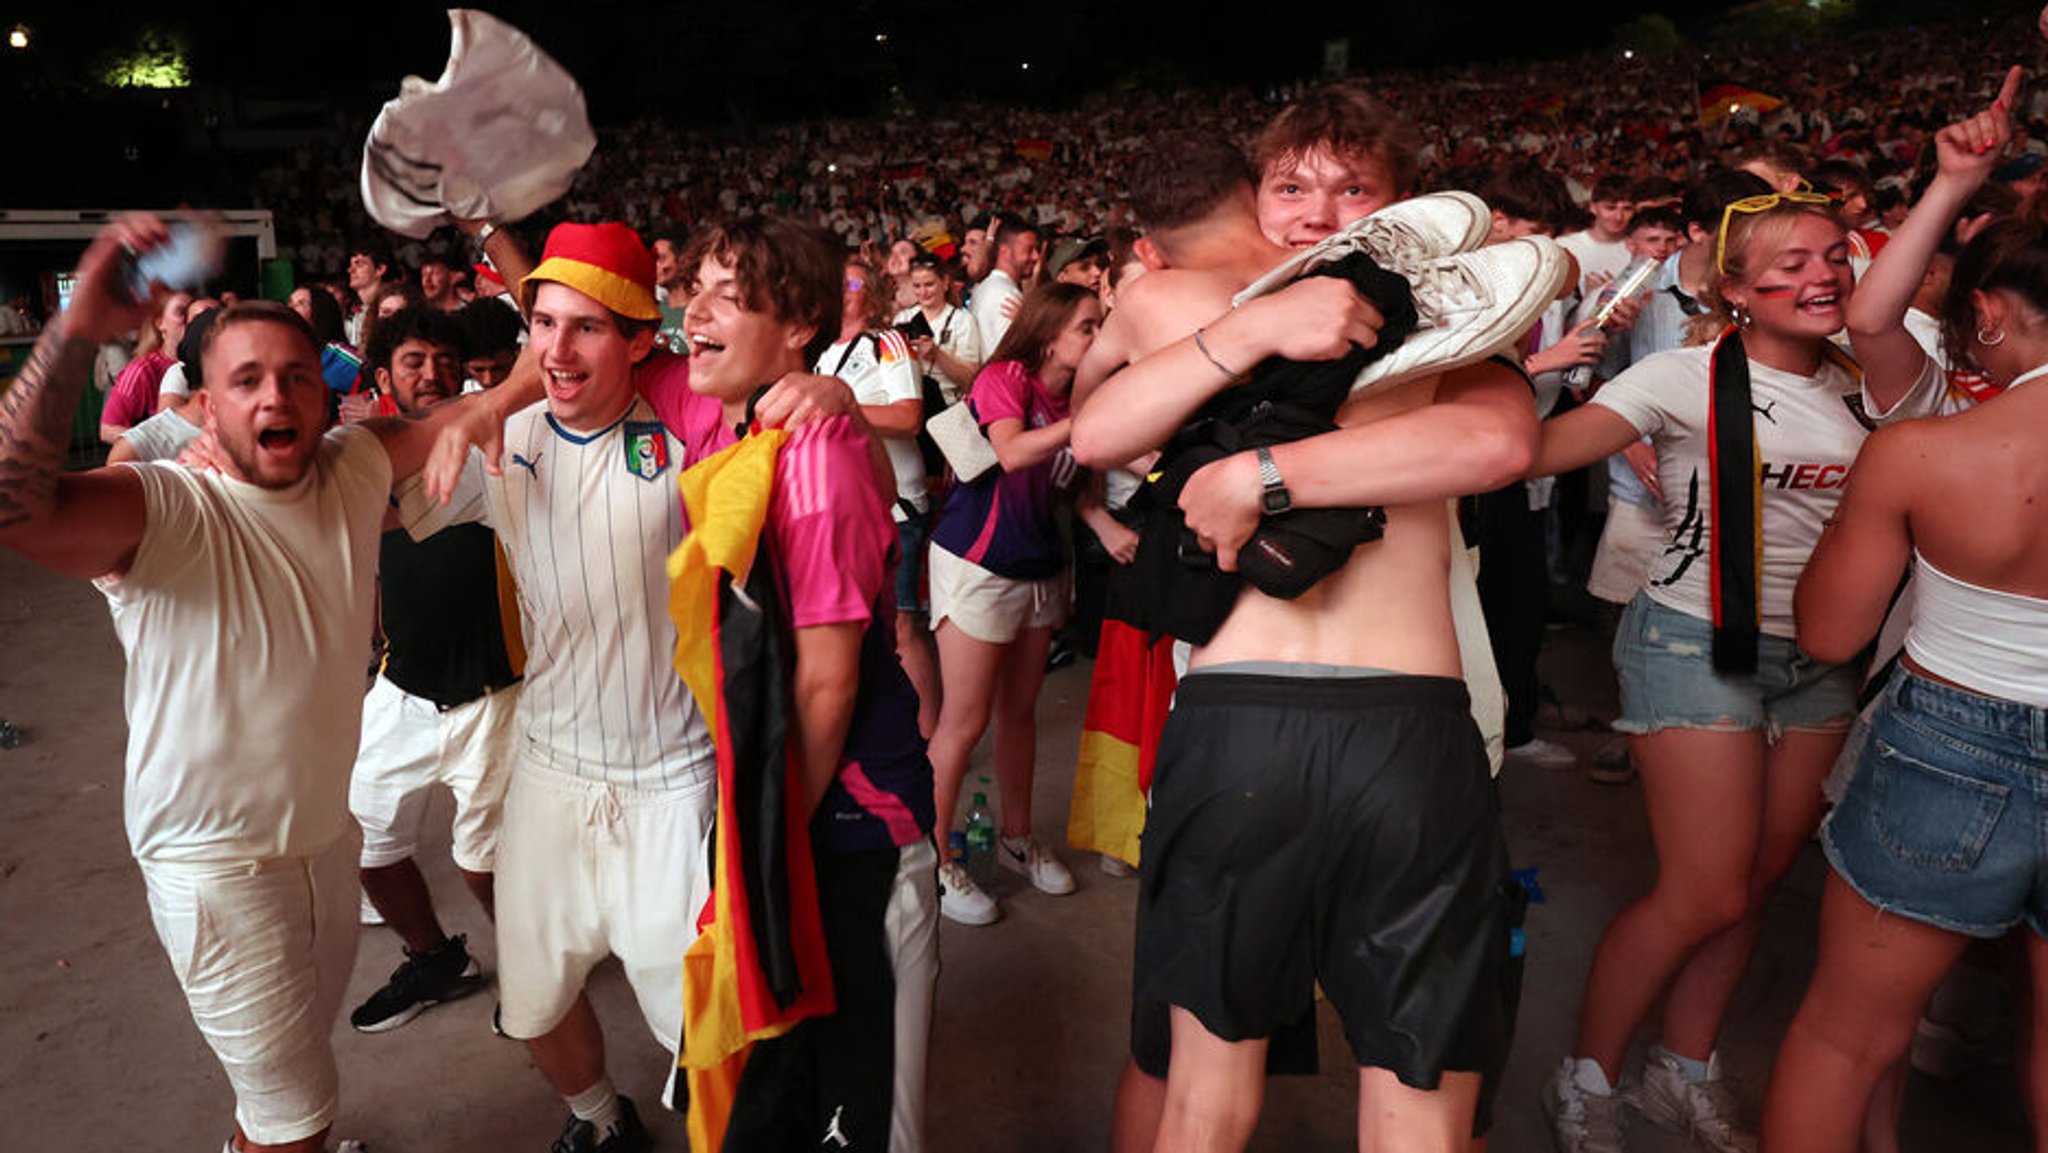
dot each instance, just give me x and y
(598, 1105)
(1693, 1071)
(1588, 1075)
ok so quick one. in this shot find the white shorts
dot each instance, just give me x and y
(409, 745)
(590, 869)
(1633, 538)
(910, 931)
(994, 608)
(263, 950)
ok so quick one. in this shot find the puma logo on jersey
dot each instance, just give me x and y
(532, 467)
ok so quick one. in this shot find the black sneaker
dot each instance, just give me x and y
(578, 1136)
(445, 973)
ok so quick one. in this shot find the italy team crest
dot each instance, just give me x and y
(646, 449)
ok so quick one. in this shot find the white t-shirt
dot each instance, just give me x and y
(588, 522)
(990, 296)
(957, 332)
(1807, 435)
(1599, 262)
(163, 436)
(246, 618)
(882, 371)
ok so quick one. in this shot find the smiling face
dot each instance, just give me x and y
(264, 401)
(1795, 282)
(735, 347)
(929, 286)
(1305, 197)
(586, 360)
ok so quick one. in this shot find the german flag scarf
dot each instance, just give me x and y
(1735, 533)
(759, 965)
(1127, 703)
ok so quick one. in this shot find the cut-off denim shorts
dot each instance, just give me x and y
(1664, 659)
(1945, 820)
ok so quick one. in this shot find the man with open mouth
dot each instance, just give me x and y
(242, 596)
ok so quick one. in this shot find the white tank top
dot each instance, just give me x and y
(1988, 640)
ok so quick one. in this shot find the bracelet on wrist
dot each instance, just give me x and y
(1203, 346)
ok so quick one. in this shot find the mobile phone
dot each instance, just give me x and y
(184, 264)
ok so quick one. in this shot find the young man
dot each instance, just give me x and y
(1015, 244)
(242, 596)
(440, 712)
(608, 812)
(766, 299)
(1600, 247)
(1407, 447)
(368, 267)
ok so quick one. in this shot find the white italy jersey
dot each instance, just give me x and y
(588, 521)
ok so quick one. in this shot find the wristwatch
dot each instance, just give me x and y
(1274, 498)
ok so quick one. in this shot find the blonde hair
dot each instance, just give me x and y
(1753, 240)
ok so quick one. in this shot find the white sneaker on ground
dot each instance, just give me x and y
(960, 899)
(1472, 305)
(1399, 237)
(1116, 867)
(1029, 856)
(1544, 754)
(1703, 1109)
(1586, 1113)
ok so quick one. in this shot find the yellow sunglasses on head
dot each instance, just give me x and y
(1757, 204)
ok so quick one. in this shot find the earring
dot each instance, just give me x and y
(1740, 315)
(1992, 341)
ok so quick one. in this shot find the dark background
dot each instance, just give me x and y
(266, 78)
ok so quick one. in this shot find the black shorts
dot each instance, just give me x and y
(1338, 830)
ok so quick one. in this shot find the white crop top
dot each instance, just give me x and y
(1988, 640)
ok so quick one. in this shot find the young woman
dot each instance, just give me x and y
(951, 355)
(1732, 727)
(1935, 841)
(999, 582)
(134, 396)
(876, 363)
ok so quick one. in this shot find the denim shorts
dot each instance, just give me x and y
(1946, 818)
(1664, 659)
(911, 536)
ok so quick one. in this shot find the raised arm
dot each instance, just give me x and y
(88, 524)
(1965, 153)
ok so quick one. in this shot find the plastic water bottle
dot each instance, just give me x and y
(1632, 282)
(981, 842)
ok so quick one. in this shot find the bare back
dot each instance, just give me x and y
(1978, 492)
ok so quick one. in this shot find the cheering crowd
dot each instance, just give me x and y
(696, 553)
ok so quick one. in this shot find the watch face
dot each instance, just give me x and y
(1274, 502)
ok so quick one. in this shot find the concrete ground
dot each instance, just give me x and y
(97, 1051)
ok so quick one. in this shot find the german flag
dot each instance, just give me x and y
(1718, 100)
(759, 965)
(1127, 704)
(1034, 148)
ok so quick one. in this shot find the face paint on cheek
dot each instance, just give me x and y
(1771, 289)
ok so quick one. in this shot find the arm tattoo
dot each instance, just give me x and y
(35, 424)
